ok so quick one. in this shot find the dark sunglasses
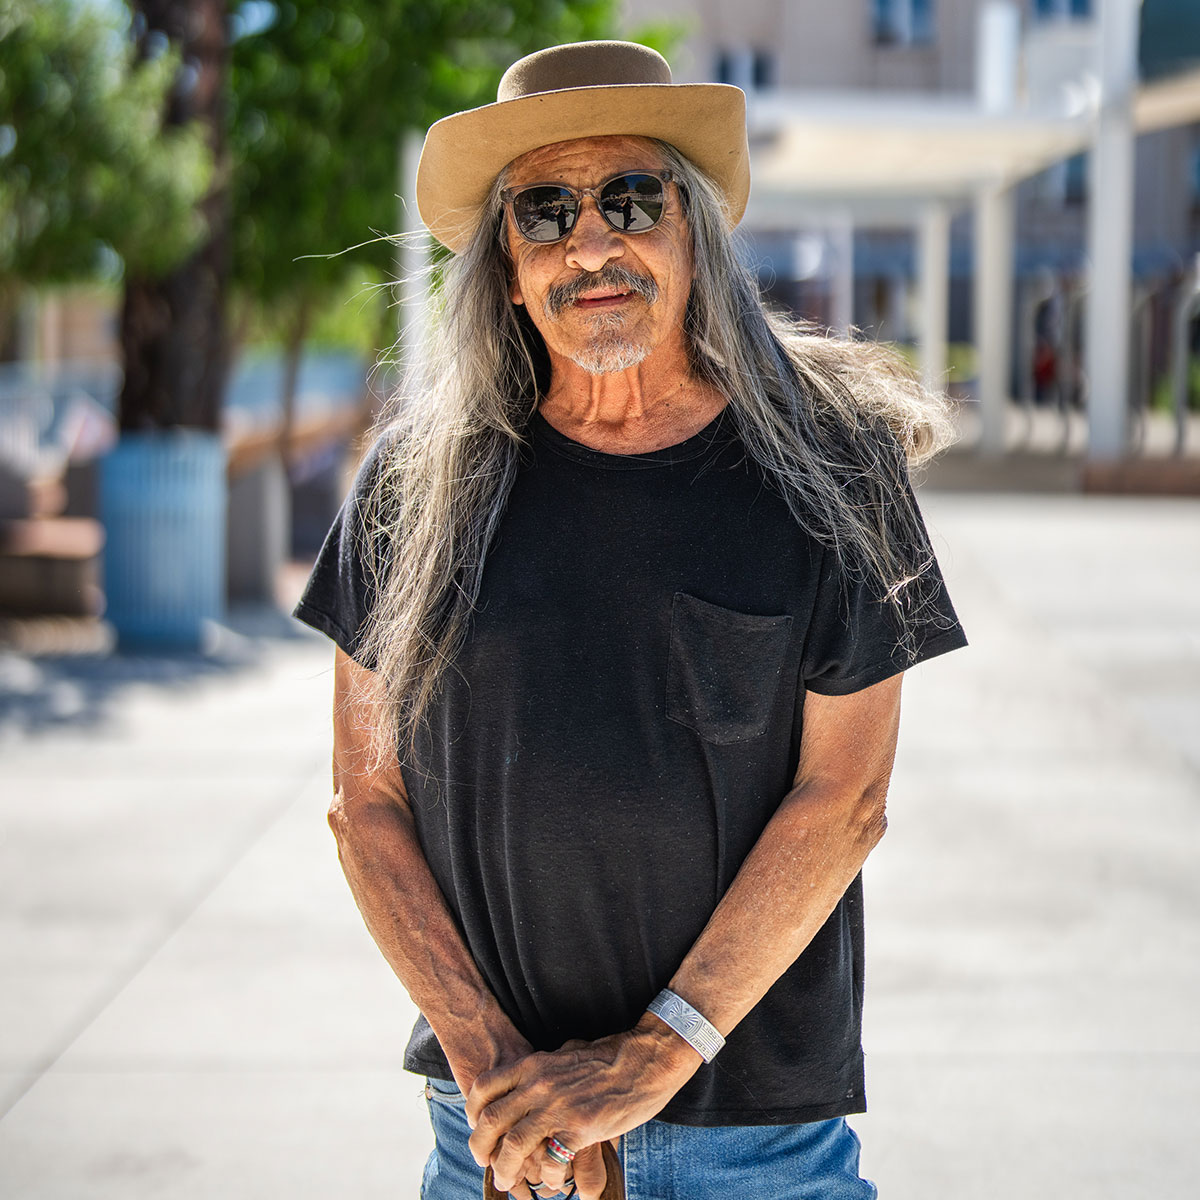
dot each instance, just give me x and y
(631, 202)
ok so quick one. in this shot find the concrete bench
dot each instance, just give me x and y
(51, 565)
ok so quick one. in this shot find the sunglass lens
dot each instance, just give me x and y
(544, 214)
(632, 203)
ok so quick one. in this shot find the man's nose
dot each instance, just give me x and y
(593, 241)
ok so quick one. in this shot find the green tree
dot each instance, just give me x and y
(174, 340)
(87, 170)
(322, 95)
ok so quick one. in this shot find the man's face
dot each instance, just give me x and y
(601, 298)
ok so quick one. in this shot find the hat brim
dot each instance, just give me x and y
(465, 152)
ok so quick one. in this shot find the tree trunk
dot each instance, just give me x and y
(173, 335)
(10, 348)
(293, 350)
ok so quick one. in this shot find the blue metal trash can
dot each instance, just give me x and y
(162, 502)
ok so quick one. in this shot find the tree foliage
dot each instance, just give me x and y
(322, 96)
(87, 170)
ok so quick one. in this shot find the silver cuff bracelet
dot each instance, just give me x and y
(688, 1023)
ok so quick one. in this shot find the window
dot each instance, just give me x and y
(903, 22)
(763, 70)
(1065, 183)
(1044, 9)
(751, 70)
(1075, 187)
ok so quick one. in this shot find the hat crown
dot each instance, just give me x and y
(583, 64)
(567, 93)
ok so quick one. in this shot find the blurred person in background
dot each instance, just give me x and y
(623, 596)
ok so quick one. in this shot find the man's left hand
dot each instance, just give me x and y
(583, 1094)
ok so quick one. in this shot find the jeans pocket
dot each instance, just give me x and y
(445, 1091)
(723, 669)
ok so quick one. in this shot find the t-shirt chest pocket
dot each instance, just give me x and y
(723, 669)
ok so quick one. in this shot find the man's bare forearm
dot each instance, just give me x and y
(787, 887)
(791, 881)
(400, 901)
(801, 865)
(406, 914)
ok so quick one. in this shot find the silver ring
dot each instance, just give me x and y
(558, 1152)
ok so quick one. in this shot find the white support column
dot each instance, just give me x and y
(997, 55)
(1110, 233)
(841, 275)
(412, 257)
(933, 284)
(993, 290)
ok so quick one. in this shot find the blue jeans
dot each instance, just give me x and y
(816, 1161)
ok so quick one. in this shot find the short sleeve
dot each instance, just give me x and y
(855, 637)
(340, 593)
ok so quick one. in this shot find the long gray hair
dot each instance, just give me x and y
(832, 422)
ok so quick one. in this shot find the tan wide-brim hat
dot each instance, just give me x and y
(583, 89)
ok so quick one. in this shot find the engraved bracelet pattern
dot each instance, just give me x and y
(688, 1023)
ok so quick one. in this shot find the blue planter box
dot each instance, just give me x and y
(162, 502)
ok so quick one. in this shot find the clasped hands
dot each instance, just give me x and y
(583, 1094)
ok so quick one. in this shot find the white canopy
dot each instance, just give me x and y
(879, 153)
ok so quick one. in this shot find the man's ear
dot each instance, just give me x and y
(514, 288)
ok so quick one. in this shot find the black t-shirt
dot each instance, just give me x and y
(622, 722)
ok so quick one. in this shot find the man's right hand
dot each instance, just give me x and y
(400, 901)
(497, 1046)
(403, 907)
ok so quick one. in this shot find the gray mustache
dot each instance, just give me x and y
(614, 276)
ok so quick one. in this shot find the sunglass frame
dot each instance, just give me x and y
(510, 194)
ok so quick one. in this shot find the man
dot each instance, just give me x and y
(623, 597)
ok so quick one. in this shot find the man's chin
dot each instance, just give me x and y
(610, 357)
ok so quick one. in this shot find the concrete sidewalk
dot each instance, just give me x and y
(193, 1009)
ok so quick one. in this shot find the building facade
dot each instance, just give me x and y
(930, 47)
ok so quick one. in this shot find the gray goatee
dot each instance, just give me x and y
(610, 349)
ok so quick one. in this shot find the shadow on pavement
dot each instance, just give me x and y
(64, 673)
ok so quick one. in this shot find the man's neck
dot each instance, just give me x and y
(647, 407)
